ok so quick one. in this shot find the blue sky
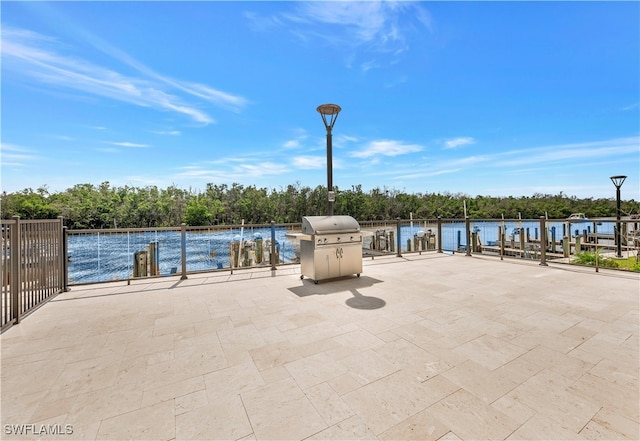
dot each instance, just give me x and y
(481, 98)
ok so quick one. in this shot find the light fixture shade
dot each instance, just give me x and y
(618, 180)
(329, 113)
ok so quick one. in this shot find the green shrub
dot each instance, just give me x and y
(590, 259)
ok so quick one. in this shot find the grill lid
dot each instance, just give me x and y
(329, 224)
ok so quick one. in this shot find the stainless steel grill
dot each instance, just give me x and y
(330, 246)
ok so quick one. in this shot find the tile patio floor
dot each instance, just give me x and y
(421, 347)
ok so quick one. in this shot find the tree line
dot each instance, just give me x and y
(86, 206)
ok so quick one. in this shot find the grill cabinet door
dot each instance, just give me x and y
(326, 263)
(350, 259)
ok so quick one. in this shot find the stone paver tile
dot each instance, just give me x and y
(344, 383)
(149, 345)
(595, 431)
(232, 380)
(485, 384)
(189, 402)
(105, 403)
(619, 397)
(547, 338)
(18, 379)
(542, 357)
(554, 321)
(274, 374)
(155, 422)
(514, 409)
(16, 407)
(85, 376)
(244, 337)
(352, 428)
(419, 427)
(412, 359)
(281, 411)
(489, 351)
(450, 437)
(469, 418)
(618, 423)
(275, 354)
(616, 371)
(358, 340)
(392, 399)
(314, 370)
(48, 409)
(182, 368)
(328, 404)
(172, 390)
(367, 366)
(544, 429)
(223, 419)
(548, 394)
(312, 333)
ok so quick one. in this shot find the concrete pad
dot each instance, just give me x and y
(429, 346)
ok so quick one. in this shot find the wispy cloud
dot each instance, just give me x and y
(373, 27)
(235, 172)
(385, 148)
(168, 132)
(129, 144)
(15, 156)
(40, 58)
(309, 162)
(300, 135)
(458, 142)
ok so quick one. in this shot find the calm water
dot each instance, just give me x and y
(109, 256)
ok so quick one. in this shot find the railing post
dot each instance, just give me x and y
(439, 234)
(543, 242)
(272, 253)
(399, 239)
(183, 246)
(64, 266)
(16, 257)
(467, 225)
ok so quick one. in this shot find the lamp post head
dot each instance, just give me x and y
(618, 180)
(329, 113)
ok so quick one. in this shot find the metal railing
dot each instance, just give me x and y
(41, 258)
(33, 268)
(125, 254)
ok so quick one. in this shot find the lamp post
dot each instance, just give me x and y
(618, 181)
(329, 113)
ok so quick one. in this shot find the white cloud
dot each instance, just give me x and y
(129, 144)
(309, 162)
(372, 27)
(32, 55)
(386, 148)
(458, 142)
(14, 155)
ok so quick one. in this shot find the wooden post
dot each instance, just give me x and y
(439, 234)
(399, 254)
(467, 224)
(543, 242)
(273, 256)
(183, 242)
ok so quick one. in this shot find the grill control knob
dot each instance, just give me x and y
(325, 240)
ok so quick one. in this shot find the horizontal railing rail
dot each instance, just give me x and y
(124, 254)
(40, 258)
